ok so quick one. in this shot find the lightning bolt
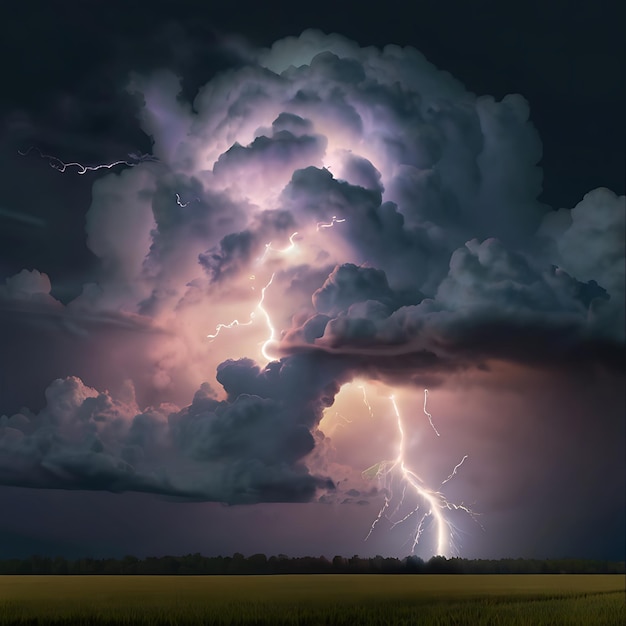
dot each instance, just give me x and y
(366, 401)
(339, 424)
(343, 417)
(61, 166)
(182, 204)
(259, 307)
(220, 327)
(453, 473)
(269, 248)
(251, 318)
(334, 220)
(436, 502)
(292, 244)
(272, 331)
(430, 417)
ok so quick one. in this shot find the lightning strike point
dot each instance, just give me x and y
(435, 501)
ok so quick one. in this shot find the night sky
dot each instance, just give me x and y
(238, 245)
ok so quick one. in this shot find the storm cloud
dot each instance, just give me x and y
(245, 449)
(357, 212)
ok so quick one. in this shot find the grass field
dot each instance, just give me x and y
(348, 600)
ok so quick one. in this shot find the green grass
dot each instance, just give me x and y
(338, 600)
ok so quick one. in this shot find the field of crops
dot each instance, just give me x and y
(313, 600)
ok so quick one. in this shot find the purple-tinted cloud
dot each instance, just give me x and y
(435, 257)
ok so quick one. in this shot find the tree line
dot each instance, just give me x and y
(258, 564)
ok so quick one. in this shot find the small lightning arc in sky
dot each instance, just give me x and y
(454, 471)
(430, 417)
(61, 166)
(251, 318)
(180, 203)
(339, 424)
(343, 417)
(366, 401)
(334, 220)
(232, 324)
(269, 248)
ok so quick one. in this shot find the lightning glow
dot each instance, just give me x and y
(269, 248)
(59, 165)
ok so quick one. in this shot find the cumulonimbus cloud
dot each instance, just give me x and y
(389, 218)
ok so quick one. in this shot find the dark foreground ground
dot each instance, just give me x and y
(312, 600)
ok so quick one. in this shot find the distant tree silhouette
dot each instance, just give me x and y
(238, 564)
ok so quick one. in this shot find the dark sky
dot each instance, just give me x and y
(463, 268)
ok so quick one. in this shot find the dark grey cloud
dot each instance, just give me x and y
(282, 150)
(248, 448)
(588, 240)
(242, 251)
(292, 123)
(360, 172)
(492, 304)
(349, 284)
(235, 252)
